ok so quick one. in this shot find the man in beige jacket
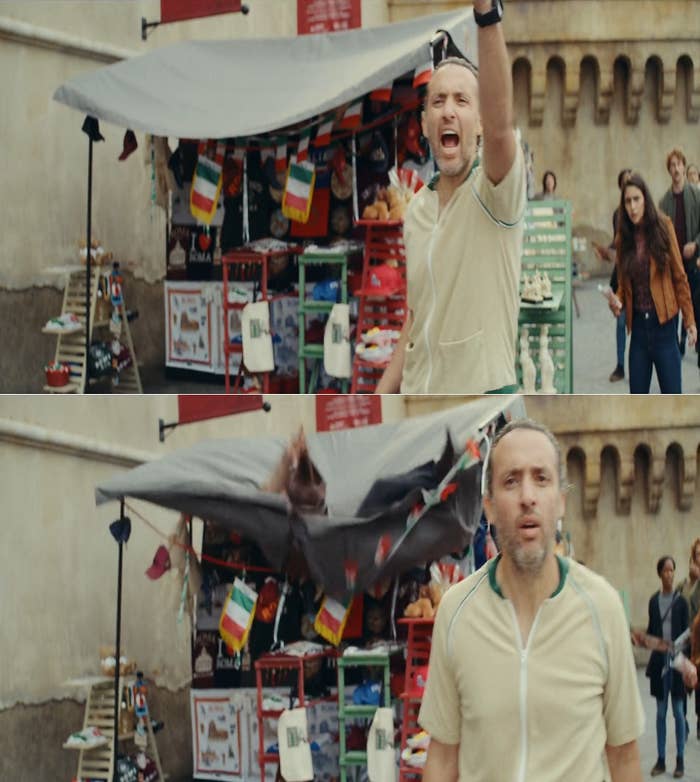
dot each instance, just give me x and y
(463, 232)
(531, 674)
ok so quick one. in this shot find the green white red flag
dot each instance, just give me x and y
(237, 615)
(332, 618)
(206, 183)
(299, 191)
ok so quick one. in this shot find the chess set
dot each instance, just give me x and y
(537, 288)
(546, 363)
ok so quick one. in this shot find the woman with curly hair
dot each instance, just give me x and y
(652, 288)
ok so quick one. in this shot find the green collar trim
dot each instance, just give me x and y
(563, 573)
(436, 178)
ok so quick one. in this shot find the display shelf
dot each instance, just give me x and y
(259, 260)
(417, 656)
(547, 248)
(98, 763)
(314, 352)
(294, 663)
(70, 345)
(383, 245)
(549, 304)
(348, 711)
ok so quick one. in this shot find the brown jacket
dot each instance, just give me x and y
(669, 289)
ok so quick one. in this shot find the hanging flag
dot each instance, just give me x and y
(303, 148)
(383, 93)
(332, 618)
(323, 136)
(206, 183)
(281, 156)
(422, 74)
(237, 615)
(299, 191)
(353, 116)
(350, 567)
(382, 550)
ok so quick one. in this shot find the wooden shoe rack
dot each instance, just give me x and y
(99, 763)
(70, 347)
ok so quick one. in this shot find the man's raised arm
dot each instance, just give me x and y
(495, 97)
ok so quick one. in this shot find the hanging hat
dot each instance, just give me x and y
(161, 563)
(232, 173)
(384, 280)
(92, 127)
(268, 600)
(379, 154)
(129, 145)
(121, 529)
(414, 137)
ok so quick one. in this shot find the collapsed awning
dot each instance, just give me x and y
(219, 481)
(239, 88)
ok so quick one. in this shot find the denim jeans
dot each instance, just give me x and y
(621, 336)
(653, 345)
(678, 717)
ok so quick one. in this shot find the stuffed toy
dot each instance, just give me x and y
(389, 204)
(423, 607)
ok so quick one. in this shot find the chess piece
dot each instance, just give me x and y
(546, 363)
(546, 287)
(526, 363)
(531, 292)
(537, 287)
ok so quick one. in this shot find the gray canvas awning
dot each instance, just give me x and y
(238, 88)
(219, 481)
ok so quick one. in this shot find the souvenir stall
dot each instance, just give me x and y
(312, 551)
(276, 173)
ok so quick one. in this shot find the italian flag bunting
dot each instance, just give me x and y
(299, 191)
(281, 156)
(383, 93)
(206, 183)
(422, 74)
(323, 137)
(353, 116)
(332, 618)
(237, 615)
(303, 148)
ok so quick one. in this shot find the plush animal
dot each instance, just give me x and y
(422, 608)
(98, 255)
(390, 204)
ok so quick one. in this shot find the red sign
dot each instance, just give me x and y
(199, 407)
(179, 10)
(328, 16)
(345, 411)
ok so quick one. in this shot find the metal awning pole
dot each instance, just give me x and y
(120, 530)
(88, 265)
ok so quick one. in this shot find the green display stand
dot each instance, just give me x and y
(547, 248)
(349, 711)
(314, 351)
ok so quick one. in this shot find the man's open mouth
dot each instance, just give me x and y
(449, 139)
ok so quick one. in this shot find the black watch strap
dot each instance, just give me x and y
(490, 17)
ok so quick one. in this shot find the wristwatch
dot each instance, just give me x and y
(490, 17)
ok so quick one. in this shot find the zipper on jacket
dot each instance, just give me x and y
(426, 325)
(524, 652)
